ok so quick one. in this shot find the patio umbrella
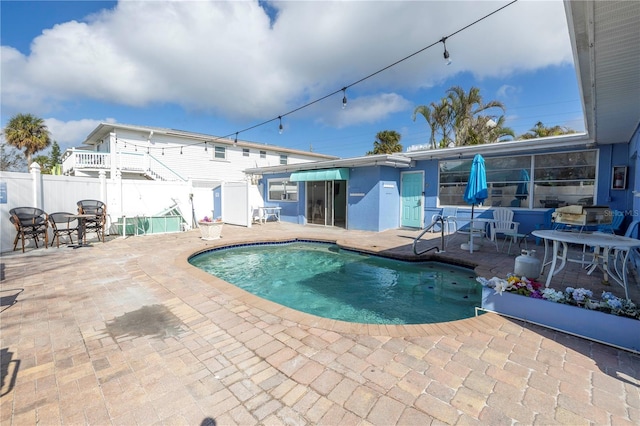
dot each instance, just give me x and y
(476, 191)
(522, 191)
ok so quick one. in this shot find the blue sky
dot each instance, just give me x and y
(222, 67)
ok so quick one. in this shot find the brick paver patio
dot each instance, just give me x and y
(127, 332)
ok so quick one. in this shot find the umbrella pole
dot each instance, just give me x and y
(471, 231)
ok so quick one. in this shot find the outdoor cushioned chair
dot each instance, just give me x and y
(62, 225)
(30, 222)
(96, 223)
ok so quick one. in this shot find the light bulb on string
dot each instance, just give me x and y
(280, 128)
(446, 55)
(180, 150)
(235, 141)
(344, 97)
(162, 151)
(205, 146)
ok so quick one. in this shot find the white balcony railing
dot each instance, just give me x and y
(126, 161)
(74, 160)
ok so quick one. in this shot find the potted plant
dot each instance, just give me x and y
(210, 229)
(609, 319)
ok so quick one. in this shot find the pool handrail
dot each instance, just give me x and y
(435, 220)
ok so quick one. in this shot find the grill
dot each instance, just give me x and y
(583, 215)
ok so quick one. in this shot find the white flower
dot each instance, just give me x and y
(553, 295)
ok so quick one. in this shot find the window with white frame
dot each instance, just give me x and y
(283, 158)
(220, 153)
(531, 181)
(263, 154)
(282, 190)
(245, 152)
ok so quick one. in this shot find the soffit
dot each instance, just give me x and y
(606, 43)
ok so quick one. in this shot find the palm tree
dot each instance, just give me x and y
(460, 114)
(387, 142)
(486, 130)
(440, 120)
(429, 115)
(541, 131)
(466, 108)
(27, 132)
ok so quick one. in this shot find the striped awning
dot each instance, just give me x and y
(316, 175)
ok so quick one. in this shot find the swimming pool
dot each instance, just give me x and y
(324, 280)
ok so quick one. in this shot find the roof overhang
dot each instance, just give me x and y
(385, 160)
(104, 129)
(574, 140)
(605, 38)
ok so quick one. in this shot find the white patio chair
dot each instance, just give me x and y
(503, 224)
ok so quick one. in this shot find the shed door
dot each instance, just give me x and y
(411, 199)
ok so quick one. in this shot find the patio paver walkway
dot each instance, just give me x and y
(126, 332)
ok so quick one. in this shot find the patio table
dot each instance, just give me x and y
(81, 231)
(266, 212)
(603, 245)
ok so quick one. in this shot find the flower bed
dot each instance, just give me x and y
(609, 320)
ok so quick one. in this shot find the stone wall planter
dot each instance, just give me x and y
(210, 230)
(606, 328)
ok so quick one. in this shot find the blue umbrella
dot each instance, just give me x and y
(522, 191)
(476, 191)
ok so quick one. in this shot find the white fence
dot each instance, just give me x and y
(124, 198)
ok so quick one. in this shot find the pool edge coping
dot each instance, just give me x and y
(462, 326)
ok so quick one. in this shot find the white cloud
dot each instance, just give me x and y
(365, 109)
(71, 133)
(226, 58)
(506, 91)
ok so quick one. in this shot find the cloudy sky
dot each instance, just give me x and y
(219, 67)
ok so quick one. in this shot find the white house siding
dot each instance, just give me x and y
(194, 162)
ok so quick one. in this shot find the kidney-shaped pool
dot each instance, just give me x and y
(324, 280)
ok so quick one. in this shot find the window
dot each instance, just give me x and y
(532, 181)
(263, 154)
(245, 152)
(280, 190)
(220, 153)
(283, 159)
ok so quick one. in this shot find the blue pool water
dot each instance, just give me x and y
(323, 280)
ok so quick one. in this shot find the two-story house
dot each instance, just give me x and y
(153, 153)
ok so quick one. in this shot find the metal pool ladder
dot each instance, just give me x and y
(439, 219)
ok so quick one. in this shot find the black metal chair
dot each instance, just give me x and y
(97, 222)
(30, 222)
(62, 224)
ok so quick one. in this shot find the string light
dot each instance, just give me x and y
(147, 150)
(446, 56)
(205, 146)
(162, 151)
(446, 52)
(235, 141)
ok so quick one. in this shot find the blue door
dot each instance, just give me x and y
(411, 199)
